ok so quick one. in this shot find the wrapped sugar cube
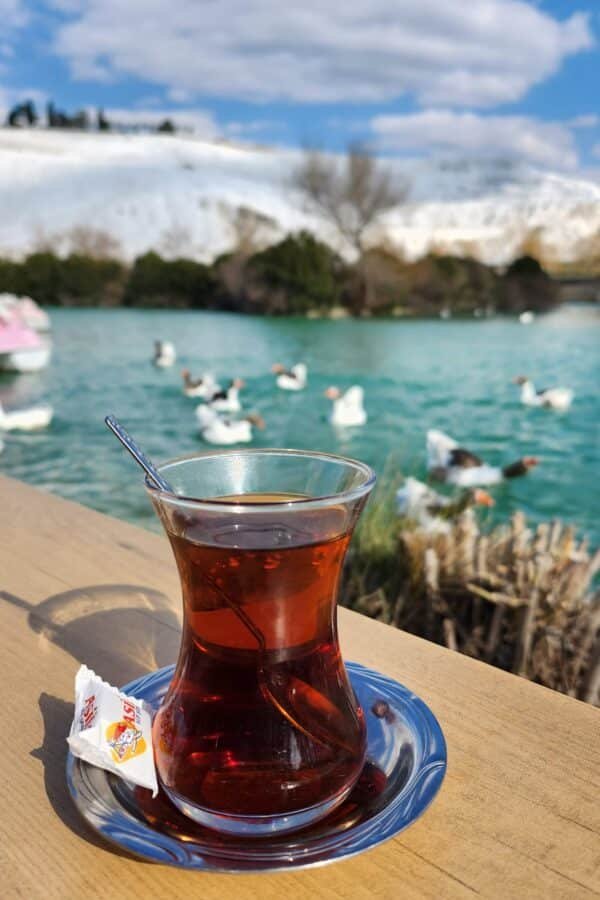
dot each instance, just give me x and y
(112, 731)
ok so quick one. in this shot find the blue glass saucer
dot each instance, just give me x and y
(406, 764)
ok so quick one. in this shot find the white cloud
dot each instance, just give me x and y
(149, 101)
(479, 53)
(545, 143)
(199, 121)
(180, 95)
(588, 120)
(12, 14)
(66, 6)
(252, 128)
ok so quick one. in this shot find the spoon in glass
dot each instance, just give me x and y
(303, 706)
(138, 454)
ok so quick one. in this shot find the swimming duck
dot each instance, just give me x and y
(293, 379)
(227, 400)
(348, 408)
(448, 462)
(217, 430)
(432, 511)
(27, 419)
(164, 354)
(554, 398)
(204, 387)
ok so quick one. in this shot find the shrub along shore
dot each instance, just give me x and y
(300, 275)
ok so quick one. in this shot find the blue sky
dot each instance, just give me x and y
(489, 77)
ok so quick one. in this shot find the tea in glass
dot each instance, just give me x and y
(260, 730)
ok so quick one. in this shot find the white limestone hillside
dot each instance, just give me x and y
(179, 195)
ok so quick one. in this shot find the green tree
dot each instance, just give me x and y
(40, 277)
(77, 280)
(22, 114)
(295, 275)
(102, 122)
(437, 283)
(154, 281)
(9, 276)
(86, 281)
(527, 286)
(527, 266)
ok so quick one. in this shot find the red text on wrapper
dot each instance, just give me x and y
(130, 713)
(88, 713)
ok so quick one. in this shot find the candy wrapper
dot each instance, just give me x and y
(112, 731)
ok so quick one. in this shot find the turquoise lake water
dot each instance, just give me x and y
(452, 375)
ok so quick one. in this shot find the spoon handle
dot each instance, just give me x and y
(139, 456)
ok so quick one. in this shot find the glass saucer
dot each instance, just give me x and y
(406, 763)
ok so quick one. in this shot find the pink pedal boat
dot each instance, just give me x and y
(21, 348)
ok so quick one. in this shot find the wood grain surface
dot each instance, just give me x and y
(518, 815)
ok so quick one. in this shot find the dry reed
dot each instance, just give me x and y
(517, 598)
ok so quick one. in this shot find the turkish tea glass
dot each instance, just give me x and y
(260, 731)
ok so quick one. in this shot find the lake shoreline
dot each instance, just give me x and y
(332, 315)
(299, 275)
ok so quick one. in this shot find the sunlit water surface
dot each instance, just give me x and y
(452, 375)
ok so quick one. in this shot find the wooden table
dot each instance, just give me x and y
(518, 815)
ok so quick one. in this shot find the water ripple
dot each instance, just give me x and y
(417, 375)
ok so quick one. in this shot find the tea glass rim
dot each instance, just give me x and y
(213, 503)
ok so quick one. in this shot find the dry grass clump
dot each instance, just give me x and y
(516, 598)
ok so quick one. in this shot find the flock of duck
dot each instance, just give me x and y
(220, 419)
(220, 423)
(215, 413)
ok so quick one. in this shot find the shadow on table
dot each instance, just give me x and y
(58, 715)
(119, 630)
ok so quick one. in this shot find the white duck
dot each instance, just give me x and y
(164, 354)
(204, 387)
(526, 317)
(216, 430)
(27, 419)
(432, 511)
(348, 408)
(228, 400)
(554, 398)
(293, 379)
(449, 462)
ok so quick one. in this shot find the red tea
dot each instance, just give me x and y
(259, 718)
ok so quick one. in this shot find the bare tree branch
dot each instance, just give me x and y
(352, 195)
